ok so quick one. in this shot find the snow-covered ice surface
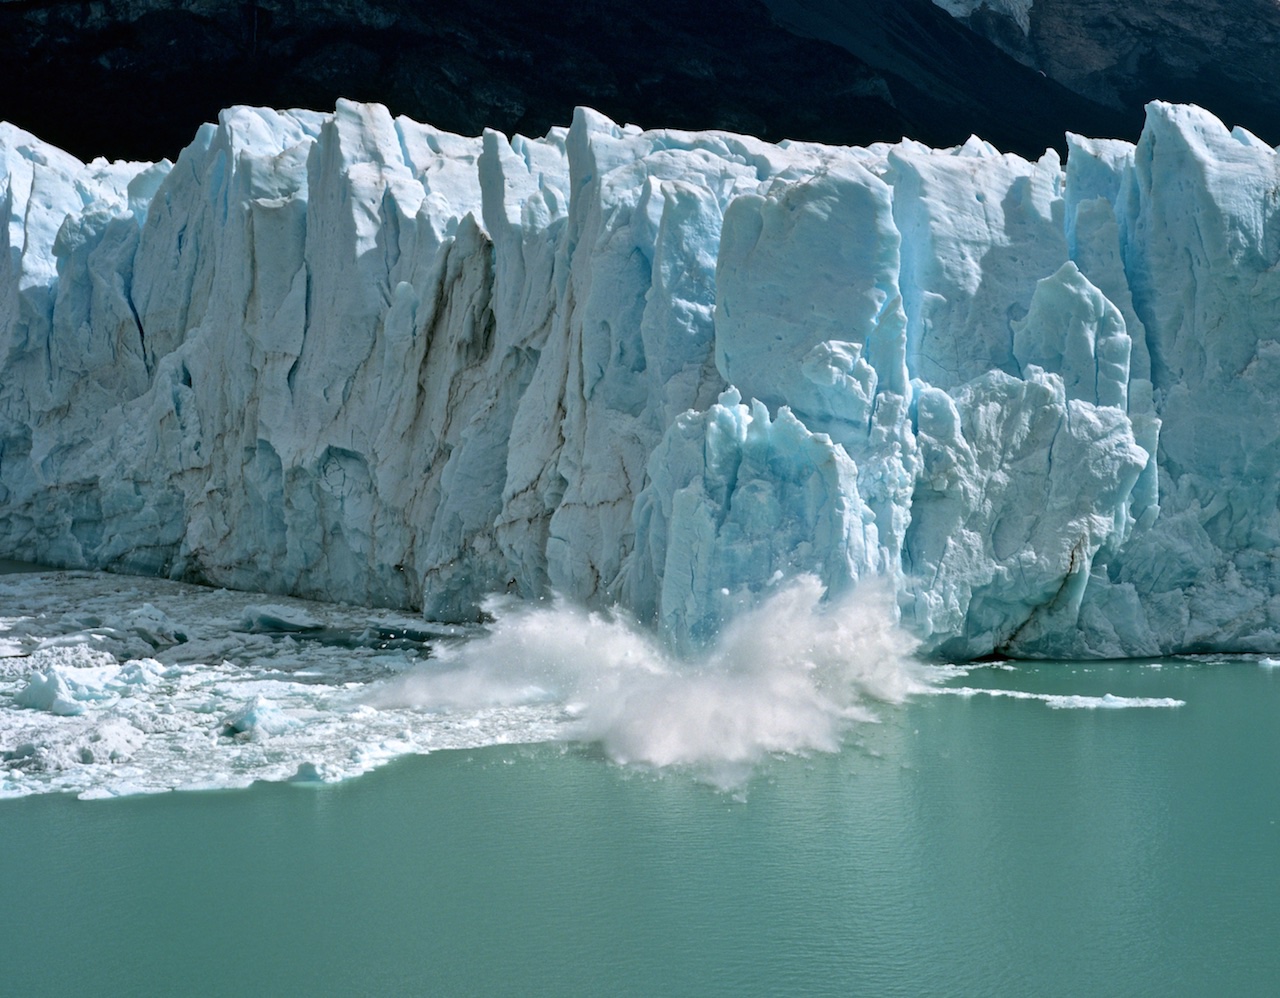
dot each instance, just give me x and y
(348, 356)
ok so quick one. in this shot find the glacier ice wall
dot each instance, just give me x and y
(353, 357)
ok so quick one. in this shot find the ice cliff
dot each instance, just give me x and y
(354, 357)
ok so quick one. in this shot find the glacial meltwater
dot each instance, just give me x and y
(370, 806)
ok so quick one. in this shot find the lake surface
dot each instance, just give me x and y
(963, 845)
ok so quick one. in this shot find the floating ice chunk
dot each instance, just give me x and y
(138, 672)
(49, 691)
(66, 690)
(1067, 701)
(154, 627)
(258, 718)
(115, 740)
(277, 619)
(310, 772)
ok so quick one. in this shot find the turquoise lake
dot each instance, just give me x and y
(964, 845)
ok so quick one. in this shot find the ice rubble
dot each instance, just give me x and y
(113, 686)
(350, 356)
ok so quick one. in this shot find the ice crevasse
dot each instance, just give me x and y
(350, 356)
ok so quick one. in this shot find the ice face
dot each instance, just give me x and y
(349, 356)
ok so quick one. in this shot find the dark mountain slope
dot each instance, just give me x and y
(134, 78)
(952, 81)
(1220, 54)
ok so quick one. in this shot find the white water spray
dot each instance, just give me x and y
(788, 676)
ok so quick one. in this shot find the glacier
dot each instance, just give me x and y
(351, 357)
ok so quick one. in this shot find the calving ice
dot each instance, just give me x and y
(353, 357)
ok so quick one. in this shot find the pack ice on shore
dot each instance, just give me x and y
(353, 357)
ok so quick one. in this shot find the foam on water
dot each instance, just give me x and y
(1071, 701)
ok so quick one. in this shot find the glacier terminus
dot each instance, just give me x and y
(351, 357)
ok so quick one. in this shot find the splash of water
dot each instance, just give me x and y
(789, 676)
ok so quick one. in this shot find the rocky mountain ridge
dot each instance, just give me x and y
(1219, 54)
(135, 78)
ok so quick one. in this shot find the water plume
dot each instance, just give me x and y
(788, 676)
